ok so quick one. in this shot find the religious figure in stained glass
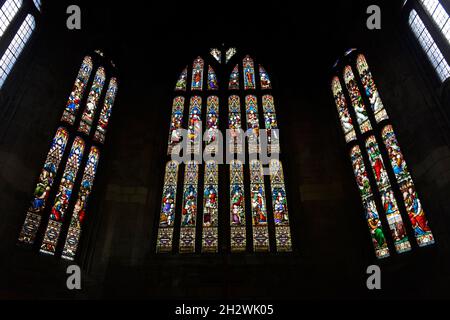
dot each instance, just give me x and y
(249, 73)
(344, 115)
(168, 206)
(176, 124)
(43, 187)
(251, 106)
(91, 105)
(210, 208)
(237, 207)
(212, 124)
(73, 103)
(197, 74)
(371, 90)
(233, 84)
(264, 78)
(270, 123)
(105, 113)
(182, 80)
(79, 211)
(194, 125)
(63, 196)
(189, 208)
(356, 99)
(258, 207)
(212, 79)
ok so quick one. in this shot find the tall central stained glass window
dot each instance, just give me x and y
(235, 201)
(392, 207)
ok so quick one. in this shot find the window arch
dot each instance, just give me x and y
(69, 204)
(241, 219)
(374, 142)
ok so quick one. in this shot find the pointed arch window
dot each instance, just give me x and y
(68, 191)
(204, 208)
(366, 149)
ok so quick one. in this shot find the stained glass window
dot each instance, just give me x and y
(428, 45)
(370, 208)
(216, 54)
(182, 80)
(91, 105)
(251, 106)
(73, 103)
(234, 123)
(197, 74)
(176, 124)
(234, 79)
(16, 47)
(237, 207)
(8, 11)
(356, 100)
(43, 187)
(344, 115)
(212, 124)
(264, 78)
(100, 133)
(195, 125)
(212, 79)
(249, 73)
(280, 207)
(258, 207)
(80, 209)
(168, 205)
(270, 122)
(230, 53)
(63, 196)
(398, 231)
(210, 208)
(189, 208)
(371, 90)
(416, 214)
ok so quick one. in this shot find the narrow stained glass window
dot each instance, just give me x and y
(416, 214)
(212, 79)
(258, 207)
(237, 207)
(234, 123)
(168, 205)
(189, 208)
(264, 78)
(100, 133)
(182, 80)
(195, 125)
(79, 211)
(212, 124)
(73, 103)
(249, 73)
(390, 206)
(344, 115)
(91, 105)
(234, 79)
(356, 99)
(43, 187)
(270, 122)
(280, 208)
(63, 196)
(371, 90)
(210, 208)
(176, 124)
(371, 212)
(197, 74)
(251, 106)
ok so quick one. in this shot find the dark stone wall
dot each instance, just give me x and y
(150, 48)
